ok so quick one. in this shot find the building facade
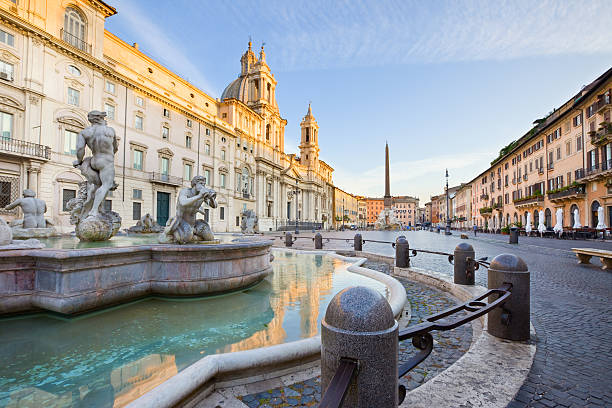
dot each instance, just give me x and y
(59, 63)
(346, 209)
(406, 210)
(564, 162)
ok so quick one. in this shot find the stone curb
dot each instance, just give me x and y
(197, 381)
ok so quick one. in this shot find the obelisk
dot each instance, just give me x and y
(388, 201)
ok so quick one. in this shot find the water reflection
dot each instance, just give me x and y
(109, 358)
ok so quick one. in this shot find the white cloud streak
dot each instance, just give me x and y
(161, 45)
(323, 34)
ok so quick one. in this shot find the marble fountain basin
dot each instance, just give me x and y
(70, 281)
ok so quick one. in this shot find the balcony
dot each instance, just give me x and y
(484, 196)
(498, 206)
(161, 178)
(599, 169)
(529, 201)
(486, 210)
(75, 41)
(578, 174)
(23, 148)
(603, 102)
(603, 135)
(541, 170)
(567, 193)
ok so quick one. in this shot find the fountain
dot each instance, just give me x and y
(188, 262)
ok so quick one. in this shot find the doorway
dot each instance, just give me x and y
(163, 207)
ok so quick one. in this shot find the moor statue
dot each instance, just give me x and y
(33, 209)
(184, 228)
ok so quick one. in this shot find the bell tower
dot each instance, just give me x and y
(309, 144)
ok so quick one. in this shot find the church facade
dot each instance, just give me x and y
(57, 62)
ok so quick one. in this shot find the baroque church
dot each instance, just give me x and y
(59, 62)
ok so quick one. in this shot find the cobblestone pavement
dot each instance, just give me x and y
(570, 310)
(448, 347)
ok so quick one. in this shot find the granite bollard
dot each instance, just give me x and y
(288, 240)
(358, 243)
(402, 252)
(318, 241)
(359, 325)
(464, 268)
(511, 321)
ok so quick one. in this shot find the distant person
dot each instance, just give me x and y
(475, 229)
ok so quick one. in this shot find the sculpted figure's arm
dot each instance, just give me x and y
(80, 150)
(13, 204)
(186, 201)
(115, 141)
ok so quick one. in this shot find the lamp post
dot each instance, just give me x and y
(297, 231)
(447, 231)
(343, 213)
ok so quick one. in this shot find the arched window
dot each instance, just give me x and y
(572, 218)
(75, 29)
(268, 132)
(536, 218)
(515, 218)
(594, 214)
(307, 135)
(548, 218)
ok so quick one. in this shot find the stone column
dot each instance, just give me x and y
(33, 174)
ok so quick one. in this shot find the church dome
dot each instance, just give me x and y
(233, 89)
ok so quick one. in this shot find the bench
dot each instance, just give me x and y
(584, 256)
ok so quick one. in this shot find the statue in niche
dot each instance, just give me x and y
(184, 228)
(87, 211)
(146, 225)
(33, 224)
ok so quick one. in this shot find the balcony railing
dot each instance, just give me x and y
(22, 147)
(578, 174)
(484, 197)
(486, 210)
(165, 179)
(603, 102)
(570, 192)
(599, 167)
(602, 136)
(75, 41)
(245, 195)
(528, 200)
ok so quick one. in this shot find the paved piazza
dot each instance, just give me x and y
(570, 309)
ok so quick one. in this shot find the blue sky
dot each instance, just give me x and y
(446, 83)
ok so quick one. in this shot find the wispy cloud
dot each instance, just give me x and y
(319, 33)
(159, 43)
(421, 177)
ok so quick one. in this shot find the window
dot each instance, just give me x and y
(6, 125)
(577, 121)
(207, 148)
(138, 122)
(67, 195)
(223, 180)
(237, 221)
(221, 213)
(73, 96)
(108, 205)
(110, 111)
(139, 101)
(579, 143)
(269, 192)
(110, 87)
(72, 70)
(70, 142)
(188, 141)
(568, 148)
(6, 71)
(189, 124)
(5, 193)
(165, 132)
(136, 211)
(137, 194)
(558, 153)
(138, 154)
(166, 113)
(207, 177)
(207, 132)
(74, 29)
(165, 166)
(222, 154)
(7, 38)
(188, 171)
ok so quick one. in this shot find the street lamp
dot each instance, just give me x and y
(343, 213)
(447, 231)
(297, 231)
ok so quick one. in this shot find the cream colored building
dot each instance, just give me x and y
(462, 207)
(346, 209)
(58, 63)
(406, 209)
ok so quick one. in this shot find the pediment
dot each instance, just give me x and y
(165, 151)
(12, 102)
(72, 121)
